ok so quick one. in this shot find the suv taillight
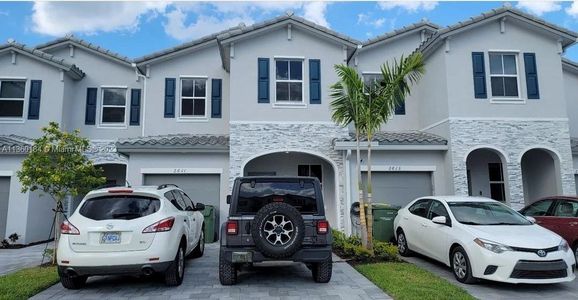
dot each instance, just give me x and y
(67, 228)
(232, 227)
(322, 227)
(160, 226)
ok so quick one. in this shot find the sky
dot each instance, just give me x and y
(137, 28)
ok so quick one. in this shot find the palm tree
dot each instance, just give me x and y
(347, 96)
(381, 99)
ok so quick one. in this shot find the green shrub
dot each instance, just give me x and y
(349, 247)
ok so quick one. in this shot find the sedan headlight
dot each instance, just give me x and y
(563, 246)
(492, 246)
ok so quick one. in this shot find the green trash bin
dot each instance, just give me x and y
(383, 216)
(209, 215)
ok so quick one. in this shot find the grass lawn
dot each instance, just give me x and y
(406, 281)
(27, 282)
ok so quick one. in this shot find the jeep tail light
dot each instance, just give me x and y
(232, 227)
(67, 228)
(160, 226)
(322, 227)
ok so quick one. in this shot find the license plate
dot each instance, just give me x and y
(242, 257)
(110, 238)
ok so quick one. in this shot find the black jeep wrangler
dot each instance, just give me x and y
(275, 219)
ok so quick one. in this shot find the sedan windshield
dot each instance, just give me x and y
(486, 213)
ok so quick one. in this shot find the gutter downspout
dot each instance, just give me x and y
(348, 225)
(144, 96)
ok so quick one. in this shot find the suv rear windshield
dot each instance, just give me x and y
(119, 207)
(253, 196)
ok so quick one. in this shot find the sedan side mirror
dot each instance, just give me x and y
(531, 219)
(442, 220)
(199, 207)
(228, 199)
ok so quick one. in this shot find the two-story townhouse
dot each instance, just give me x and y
(494, 114)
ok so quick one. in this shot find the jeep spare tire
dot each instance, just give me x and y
(278, 230)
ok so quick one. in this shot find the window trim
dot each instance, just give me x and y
(505, 99)
(100, 102)
(289, 103)
(192, 118)
(21, 119)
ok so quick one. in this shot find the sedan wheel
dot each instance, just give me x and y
(461, 266)
(402, 247)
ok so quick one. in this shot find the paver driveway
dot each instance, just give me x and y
(501, 291)
(291, 281)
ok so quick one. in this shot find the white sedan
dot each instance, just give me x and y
(480, 238)
(141, 230)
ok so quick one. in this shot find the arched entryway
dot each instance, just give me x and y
(486, 172)
(300, 163)
(540, 174)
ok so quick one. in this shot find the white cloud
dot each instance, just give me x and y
(539, 7)
(572, 10)
(177, 27)
(315, 12)
(59, 18)
(409, 5)
(4, 13)
(365, 19)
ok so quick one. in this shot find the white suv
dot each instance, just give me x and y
(125, 230)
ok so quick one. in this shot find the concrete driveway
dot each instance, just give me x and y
(290, 281)
(12, 260)
(500, 291)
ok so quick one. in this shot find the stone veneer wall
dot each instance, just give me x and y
(513, 138)
(250, 139)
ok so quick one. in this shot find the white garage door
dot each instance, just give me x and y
(399, 188)
(203, 188)
(4, 197)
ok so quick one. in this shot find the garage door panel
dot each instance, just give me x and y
(4, 198)
(399, 188)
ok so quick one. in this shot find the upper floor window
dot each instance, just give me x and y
(194, 97)
(113, 109)
(371, 79)
(289, 81)
(504, 75)
(12, 98)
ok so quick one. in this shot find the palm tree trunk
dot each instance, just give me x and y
(369, 196)
(362, 219)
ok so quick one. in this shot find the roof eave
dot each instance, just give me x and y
(59, 43)
(371, 44)
(169, 149)
(148, 60)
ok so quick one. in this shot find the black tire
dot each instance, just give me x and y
(227, 272)
(462, 271)
(285, 244)
(200, 249)
(402, 247)
(176, 272)
(72, 282)
(575, 249)
(322, 271)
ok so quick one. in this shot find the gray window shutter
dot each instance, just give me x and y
(479, 68)
(314, 81)
(216, 98)
(263, 80)
(170, 91)
(135, 107)
(34, 99)
(531, 76)
(90, 114)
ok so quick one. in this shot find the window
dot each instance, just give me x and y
(254, 195)
(420, 208)
(171, 197)
(371, 79)
(188, 200)
(486, 213)
(310, 171)
(12, 98)
(289, 81)
(113, 106)
(539, 209)
(497, 186)
(193, 97)
(119, 207)
(566, 209)
(504, 75)
(437, 209)
(180, 200)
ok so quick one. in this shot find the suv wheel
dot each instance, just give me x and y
(227, 272)
(322, 271)
(176, 272)
(279, 230)
(72, 282)
(200, 249)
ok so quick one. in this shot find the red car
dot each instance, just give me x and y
(558, 214)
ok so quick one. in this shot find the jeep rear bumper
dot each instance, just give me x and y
(252, 255)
